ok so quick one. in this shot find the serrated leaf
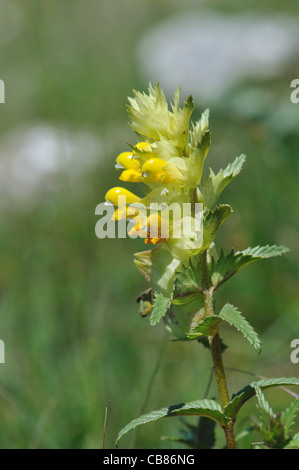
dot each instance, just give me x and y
(212, 222)
(263, 405)
(208, 408)
(187, 282)
(160, 307)
(226, 266)
(206, 327)
(231, 315)
(288, 417)
(212, 187)
(238, 400)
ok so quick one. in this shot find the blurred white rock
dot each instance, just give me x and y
(207, 52)
(31, 158)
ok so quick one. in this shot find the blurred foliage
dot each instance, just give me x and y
(68, 315)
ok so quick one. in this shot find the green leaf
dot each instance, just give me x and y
(263, 405)
(206, 327)
(288, 417)
(208, 408)
(238, 400)
(226, 266)
(211, 223)
(212, 187)
(231, 315)
(187, 283)
(160, 307)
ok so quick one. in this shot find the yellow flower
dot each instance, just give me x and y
(121, 196)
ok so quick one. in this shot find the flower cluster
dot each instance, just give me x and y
(169, 160)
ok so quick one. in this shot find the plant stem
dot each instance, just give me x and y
(215, 347)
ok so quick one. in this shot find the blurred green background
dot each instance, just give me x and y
(74, 341)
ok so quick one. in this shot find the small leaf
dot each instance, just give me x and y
(263, 405)
(211, 223)
(289, 415)
(209, 408)
(231, 315)
(238, 400)
(160, 307)
(226, 266)
(212, 187)
(206, 327)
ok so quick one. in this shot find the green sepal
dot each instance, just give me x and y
(159, 268)
(181, 319)
(200, 142)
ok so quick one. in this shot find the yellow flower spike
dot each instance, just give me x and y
(126, 160)
(161, 171)
(114, 193)
(131, 176)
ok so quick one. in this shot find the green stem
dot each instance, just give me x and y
(215, 347)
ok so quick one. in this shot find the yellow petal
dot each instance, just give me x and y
(161, 171)
(127, 197)
(127, 161)
(131, 176)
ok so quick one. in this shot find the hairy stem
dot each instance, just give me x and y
(215, 347)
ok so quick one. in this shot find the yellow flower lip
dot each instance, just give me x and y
(132, 176)
(153, 167)
(162, 171)
(126, 197)
(126, 160)
(145, 146)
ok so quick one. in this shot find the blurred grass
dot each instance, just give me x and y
(74, 341)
